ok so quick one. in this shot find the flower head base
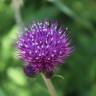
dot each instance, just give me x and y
(43, 47)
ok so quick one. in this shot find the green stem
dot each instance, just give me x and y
(50, 86)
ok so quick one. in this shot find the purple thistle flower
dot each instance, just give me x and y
(43, 47)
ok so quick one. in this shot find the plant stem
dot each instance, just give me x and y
(17, 4)
(49, 85)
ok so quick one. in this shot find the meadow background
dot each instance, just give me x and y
(79, 71)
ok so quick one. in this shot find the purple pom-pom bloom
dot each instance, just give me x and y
(43, 47)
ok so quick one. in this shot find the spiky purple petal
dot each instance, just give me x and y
(43, 46)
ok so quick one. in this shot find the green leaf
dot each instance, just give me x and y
(58, 76)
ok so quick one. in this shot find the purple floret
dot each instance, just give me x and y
(43, 47)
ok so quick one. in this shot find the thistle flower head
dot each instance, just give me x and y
(43, 47)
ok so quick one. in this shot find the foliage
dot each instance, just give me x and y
(79, 71)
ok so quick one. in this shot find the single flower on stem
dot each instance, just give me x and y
(43, 47)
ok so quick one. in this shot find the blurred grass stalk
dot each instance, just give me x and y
(17, 4)
(69, 12)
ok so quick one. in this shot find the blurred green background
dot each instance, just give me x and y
(79, 71)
